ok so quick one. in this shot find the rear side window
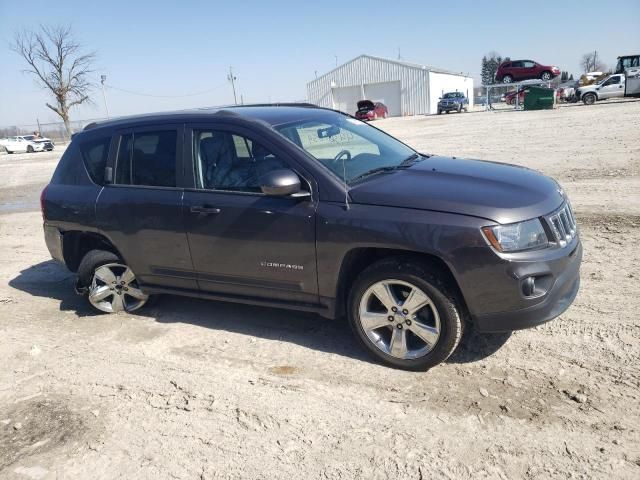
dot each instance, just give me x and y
(147, 158)
(94, 155)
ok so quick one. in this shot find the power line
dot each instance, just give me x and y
(194, 94)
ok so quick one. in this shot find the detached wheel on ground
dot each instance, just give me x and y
(405, 314)
(589, 98)
(111, 285)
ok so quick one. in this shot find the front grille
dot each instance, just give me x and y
(48, 145)
(563, 225)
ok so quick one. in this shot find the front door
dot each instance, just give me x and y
(141, 209)
(613, 87)
(244, 243)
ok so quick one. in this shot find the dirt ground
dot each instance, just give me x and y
(195, 389)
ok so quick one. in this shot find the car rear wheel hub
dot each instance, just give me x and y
(114, 288)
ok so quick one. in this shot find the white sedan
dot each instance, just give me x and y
(26, 143)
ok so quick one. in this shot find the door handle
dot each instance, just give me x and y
(204, 210)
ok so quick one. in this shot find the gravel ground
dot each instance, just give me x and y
(195, 389)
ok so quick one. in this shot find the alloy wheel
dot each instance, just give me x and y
(400, 319)
(546, 76)
(114, 289)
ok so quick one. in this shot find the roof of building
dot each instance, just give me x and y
(403, 63)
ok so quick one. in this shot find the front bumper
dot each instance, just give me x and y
(565, 273)
(448, 107)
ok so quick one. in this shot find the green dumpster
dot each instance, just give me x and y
(538, 98)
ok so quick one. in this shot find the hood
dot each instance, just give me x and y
(366, 105)
(496, 191)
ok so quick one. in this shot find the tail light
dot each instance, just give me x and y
(42, 200)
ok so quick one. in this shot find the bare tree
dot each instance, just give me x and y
(59, 64)
(592, 63)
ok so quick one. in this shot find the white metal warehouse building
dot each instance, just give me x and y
(405, 88)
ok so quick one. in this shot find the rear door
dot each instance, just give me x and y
(244, 243)
(516, 70)
(141, 209)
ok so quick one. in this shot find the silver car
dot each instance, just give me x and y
(609, 87)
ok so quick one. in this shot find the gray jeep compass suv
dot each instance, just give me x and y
(306, 208)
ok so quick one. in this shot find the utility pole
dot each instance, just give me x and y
(103, 78)
(232, 79)
(39, 128)
(336, 60)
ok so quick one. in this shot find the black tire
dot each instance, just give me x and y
(30, 149)
(459, 107)
(439, 112)
(507, 79)
(546, 76)
(97, 258)
(431, 282)
(91, 261)
(448, 111)
(589, 98)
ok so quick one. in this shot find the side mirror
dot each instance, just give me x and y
(280, 183)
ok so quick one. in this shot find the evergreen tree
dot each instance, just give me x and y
(485, 75)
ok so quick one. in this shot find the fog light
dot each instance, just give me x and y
(529, 286)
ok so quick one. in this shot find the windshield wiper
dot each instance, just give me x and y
(410, 160)
(407, 162)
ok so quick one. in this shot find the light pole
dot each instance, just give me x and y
(103, 78)
(232, 79)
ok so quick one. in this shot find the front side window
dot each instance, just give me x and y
(224, 161)
(612, 81)
(347, 147)
(147, 158)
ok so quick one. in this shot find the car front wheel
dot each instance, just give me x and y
(589, 98)
(111, 286)
(405, 315)
(546, 76)
(30, 149)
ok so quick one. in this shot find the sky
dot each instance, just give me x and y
(169, 52)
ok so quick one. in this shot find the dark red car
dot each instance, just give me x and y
(367, 110)
(514, 70)
(510, 97)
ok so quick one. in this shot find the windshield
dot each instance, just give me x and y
(451, 95)
(28, 137)
(347, 147)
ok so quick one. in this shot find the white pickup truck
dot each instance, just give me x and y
(609, 87)
(26, 143)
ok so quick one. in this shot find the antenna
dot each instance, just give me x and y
(344, 180)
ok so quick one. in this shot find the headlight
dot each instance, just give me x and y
(516, 236)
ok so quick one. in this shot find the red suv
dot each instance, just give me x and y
(367, 110)
(525, 70)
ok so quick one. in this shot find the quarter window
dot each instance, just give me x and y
(225, 161)
(147, 158)
(94, 154)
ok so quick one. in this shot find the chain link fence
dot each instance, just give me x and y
(55, 131)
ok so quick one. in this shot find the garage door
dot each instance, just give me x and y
(387, 93)
(346, 99)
